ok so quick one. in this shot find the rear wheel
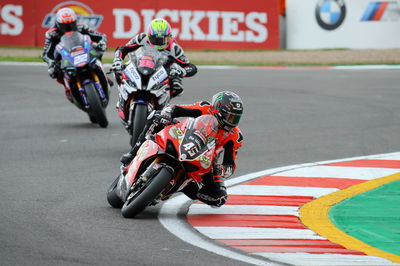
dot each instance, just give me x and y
(138, 200)
(96, 109)
(112, 196)
(139, 119)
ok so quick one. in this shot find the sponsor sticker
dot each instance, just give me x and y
(84, 13)
(330, 14)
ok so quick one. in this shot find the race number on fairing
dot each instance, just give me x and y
(191, 148)
(79, 59)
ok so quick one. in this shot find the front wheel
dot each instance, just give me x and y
(138, 122)
(138, 200)
(97, 111)
(112, 196)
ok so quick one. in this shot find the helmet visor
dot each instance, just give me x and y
(66, 27)
(231, 119)
(160, 41)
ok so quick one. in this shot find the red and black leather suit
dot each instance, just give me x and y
(214, 191)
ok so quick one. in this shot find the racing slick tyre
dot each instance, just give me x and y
(139, 119)
(96, 109)
(138, 200)
(112, 196)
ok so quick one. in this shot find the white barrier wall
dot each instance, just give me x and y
(354, 24)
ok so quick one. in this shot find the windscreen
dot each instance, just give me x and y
(147, 59)
(199, 135)
(72, 42)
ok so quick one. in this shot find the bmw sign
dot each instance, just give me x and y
(330, 13)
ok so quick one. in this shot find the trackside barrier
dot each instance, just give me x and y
(197, 25)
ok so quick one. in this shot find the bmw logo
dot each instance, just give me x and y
(330, 13)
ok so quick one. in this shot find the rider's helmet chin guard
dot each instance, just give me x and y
(159, 33)
(66, 20)
(229, 109)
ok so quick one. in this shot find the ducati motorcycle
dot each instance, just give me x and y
(165, 164)
(144, 87)
(84, 75)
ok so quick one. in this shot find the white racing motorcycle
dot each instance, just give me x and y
(144, 87)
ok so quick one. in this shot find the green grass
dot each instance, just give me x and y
(21, 58)
(215, 62)
(33, 59)
(108, 60)
(21, 47)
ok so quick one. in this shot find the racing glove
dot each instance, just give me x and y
(52, 70)
(222, 171)
(101, 46)
(162, 119)
(218, 170)
(167, 112)
(177, 72)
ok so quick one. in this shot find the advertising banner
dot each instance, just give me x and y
(196, 25)
(357, 24)
(15, 28)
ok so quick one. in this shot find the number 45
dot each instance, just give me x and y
(190, 148)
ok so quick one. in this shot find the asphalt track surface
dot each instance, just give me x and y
(55, 166)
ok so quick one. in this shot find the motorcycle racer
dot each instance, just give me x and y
(227, 107)
(158, 35)
(66, 21)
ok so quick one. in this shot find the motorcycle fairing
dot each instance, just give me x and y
(147, 149)
(133, 82)
(72, 52)
(179, 136)
(157, 78)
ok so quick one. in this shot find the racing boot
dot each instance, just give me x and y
(191, 190)
(110, 82)
(127, 158)
(68, 95)
(120, 108)
(60, 79)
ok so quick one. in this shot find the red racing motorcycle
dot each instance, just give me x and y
(165, 164)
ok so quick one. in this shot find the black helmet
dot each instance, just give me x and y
(66, 20)
(229, 107)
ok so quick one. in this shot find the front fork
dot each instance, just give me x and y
(97, 85)
(129, 105)
(99, 88)
(81, 92)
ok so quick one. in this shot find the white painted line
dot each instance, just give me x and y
(363, 67)
(307, 259)
(364, 173)
(221, 232)
(279, 191)
(5, 63)
(393, 157)
(243, 209)
(169, 218)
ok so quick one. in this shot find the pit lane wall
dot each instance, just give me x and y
(207, 24)
(354, 24)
